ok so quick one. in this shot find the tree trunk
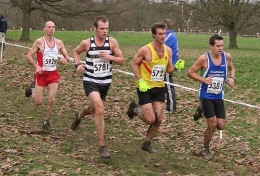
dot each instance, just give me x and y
(233, 40)
(26, 25)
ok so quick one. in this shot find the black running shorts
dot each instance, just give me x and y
(94, 87)
(213, 107)
(151, 95)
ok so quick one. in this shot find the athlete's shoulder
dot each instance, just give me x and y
(85, 42)
(228, 55)
(58, 41)
(112, 41)
(39, 41)
(202, 58)
(144, 50)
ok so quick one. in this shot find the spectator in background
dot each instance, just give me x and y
(3, 29)
(172, 42)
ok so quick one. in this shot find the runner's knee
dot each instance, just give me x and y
(213, 125)
(220, 126)
(99, 111)
(52, 100)
(149, 121)
(158, 121)
(38, 103)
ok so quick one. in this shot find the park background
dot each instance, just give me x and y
(26, 150)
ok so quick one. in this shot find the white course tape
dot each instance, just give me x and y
(20, 46)
(59, 55)
(195, 90)
(131, 74)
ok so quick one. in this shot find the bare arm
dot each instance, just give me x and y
(170, 67)
(137, 60)
(63, 51)
(231, 68)
(31, 52)
(200, 63)
(82, 47)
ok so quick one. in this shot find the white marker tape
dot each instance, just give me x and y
(176, 85)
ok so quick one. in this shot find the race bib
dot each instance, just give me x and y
(158, 73)
(216, 86)
(101, 66)
(50, 60)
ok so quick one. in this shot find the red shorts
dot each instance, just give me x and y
(47, 77)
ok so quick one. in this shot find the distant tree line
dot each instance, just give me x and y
(230, 16)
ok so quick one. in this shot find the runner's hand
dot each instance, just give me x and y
(64, 60)
(180, 64)
(143, 87)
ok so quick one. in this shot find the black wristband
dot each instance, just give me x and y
(232, 78)
(76, 65)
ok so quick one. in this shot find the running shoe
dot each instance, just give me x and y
(131, 110)
(148, 147)
(46, 125)
(206, 153)
(30, 90)
(76, 122)
(103, 152)
(198, 114)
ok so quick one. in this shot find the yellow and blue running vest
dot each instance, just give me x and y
(154, 71)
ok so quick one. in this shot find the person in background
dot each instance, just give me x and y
(46, 49)
(3, 29)
(101, 52)
(172, 42)
(149, 66)
(216, 64)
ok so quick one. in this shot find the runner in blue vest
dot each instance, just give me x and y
(216, 64)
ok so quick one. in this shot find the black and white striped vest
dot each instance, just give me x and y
(98, 70)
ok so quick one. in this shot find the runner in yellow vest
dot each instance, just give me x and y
(149, 66)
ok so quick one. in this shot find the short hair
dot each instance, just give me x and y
(158, 25)
(169, 23)
(213, 38)
(100, 18)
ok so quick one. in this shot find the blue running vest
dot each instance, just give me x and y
(219, 73)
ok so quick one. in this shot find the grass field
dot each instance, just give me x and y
(26, 150)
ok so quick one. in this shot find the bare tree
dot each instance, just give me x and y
(64, 8)
(233, 15)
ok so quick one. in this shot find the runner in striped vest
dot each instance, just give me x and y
(101, 52)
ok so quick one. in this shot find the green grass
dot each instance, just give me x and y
(26, 150)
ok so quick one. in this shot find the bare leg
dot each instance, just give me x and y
(97, 103)
(212, 125)
(87, 110)
(151, 114)
(38, 97)
(52, 89)
(154, 127)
